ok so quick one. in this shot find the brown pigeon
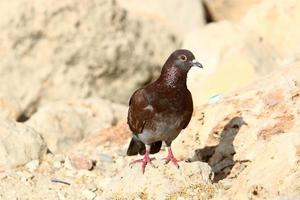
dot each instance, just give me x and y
(159, 111)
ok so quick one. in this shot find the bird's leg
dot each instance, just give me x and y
(170, 156)
(144, 160)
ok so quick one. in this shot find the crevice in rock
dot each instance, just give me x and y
(28, 112)
(31, 108)
(220, 156)
(207, 13)
(23, 117)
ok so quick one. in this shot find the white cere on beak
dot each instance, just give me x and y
(196, 63)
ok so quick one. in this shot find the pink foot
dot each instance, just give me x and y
(171, 158)
(144, 161)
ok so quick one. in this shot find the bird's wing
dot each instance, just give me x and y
(140, 111)
(188, 111)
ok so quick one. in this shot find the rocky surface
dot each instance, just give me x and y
(251, 134)
(19, 144)
(163, 11)
(77, 49)
(232, 10)
(63, 65)
(65, 123)
(131, 183)
(231, 55)
(274, 17)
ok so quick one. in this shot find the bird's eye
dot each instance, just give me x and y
(183, 58)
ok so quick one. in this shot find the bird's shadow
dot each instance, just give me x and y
(220, 156)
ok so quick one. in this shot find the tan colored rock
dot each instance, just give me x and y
(232, 10)
(77, 49)
(65, 123)
(161, 181)
(277, 22)
(250, 138)
(232, 58)
(80, 162)
(19, 144)
(163, 12)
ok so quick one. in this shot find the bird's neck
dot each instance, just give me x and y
(173, 77)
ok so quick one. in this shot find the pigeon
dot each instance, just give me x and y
(160, 110)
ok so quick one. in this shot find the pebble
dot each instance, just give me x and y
(89, 195)
(226, 184)
(215, 99)
(57, 164)
(25, 176)
(105, 158)
(81, 163)
(32, 165)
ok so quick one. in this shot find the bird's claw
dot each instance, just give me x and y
(173, 160)
(144, 162)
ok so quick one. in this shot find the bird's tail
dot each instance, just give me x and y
(136, 146)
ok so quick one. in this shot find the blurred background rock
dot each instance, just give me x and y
(108, 48)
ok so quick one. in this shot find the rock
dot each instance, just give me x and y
(232, 10)
(81, 163)
(131, 183)
(275, 160)
(19, 144)
(75, 49)
(225, 49)
(163, 12)
(32, 165)
(274, 17)
(65, 123)
(249, 134)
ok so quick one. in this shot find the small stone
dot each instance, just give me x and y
(81, 163)
(89, 195)
(24, 176)
(226, 184)
(57, 164)
(105, 158)
(32, 165)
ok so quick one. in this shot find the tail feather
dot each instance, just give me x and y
(137, 147)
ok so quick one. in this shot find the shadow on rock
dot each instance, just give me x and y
(220, 157)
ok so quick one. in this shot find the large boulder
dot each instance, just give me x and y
(232, 57)
(78, 48)
(19, 144)
(232, 10)
(249, 134)
(161, 182)
(65, 123)
(277, 22)
(164, 12)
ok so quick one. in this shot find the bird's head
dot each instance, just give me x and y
(183, 59)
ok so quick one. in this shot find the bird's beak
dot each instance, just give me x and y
(196, 63)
